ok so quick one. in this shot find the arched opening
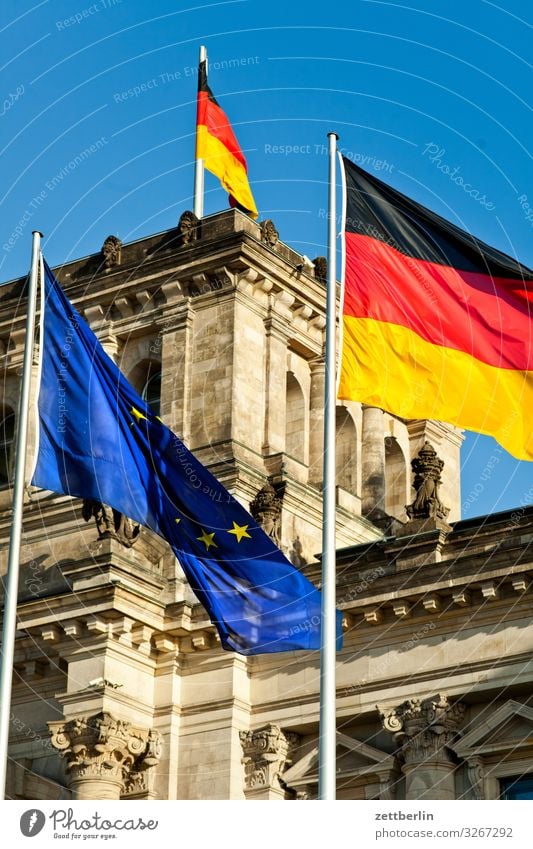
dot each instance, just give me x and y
(7, 442)
(345, 451)
(295, 420)
(396, 496)
(146, 379)
(152, 392)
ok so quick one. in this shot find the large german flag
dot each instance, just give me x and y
(436, 324)
(217, 146)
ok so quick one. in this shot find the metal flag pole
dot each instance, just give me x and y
(328, 728)
(12, 578)
(199, 163)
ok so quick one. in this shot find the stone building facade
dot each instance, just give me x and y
(121, 689)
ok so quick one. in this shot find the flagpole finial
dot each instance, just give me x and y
(335, 135)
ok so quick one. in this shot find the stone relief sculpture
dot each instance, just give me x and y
(269, 233)
(110, 523)
(266, 510)
(188, 227)
(111, 251)
(321, 268)
(427, 468)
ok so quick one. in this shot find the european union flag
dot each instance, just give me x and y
(99, 440)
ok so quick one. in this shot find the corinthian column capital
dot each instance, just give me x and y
(266, 754)
(101, 752)
(425, 729)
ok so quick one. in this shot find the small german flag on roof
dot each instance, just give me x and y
(220, 151)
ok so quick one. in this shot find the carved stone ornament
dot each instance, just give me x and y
(112, 251)
(265, 756)
(269, 233)
(321, 268)
(425, 730)
(266, 510)
(111, 523)
(296, 554)
(188, 227)
(476, 776)
(427, 468)
(102, 747)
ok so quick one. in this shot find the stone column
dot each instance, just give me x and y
(426, 731)
(102, 753)
(316, 422)
(276, 384)
(373, 464)
(176, 364)
(265, 757)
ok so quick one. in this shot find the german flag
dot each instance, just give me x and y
(217, 146)
(436, 324)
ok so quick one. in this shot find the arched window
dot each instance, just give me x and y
(7, 439)
(145, 377)
(151, 392)
(396, 495)
(345, 451)
(295, 420)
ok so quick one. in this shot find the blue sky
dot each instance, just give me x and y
(409, 88)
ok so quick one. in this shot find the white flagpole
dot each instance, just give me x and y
(328, 728)
(199, 163)
(12, 578)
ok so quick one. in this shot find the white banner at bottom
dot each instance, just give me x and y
(241, 825)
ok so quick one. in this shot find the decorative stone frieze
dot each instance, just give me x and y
(266, 754)
(101, 752)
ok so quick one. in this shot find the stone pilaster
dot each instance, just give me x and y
(276, 329)
(176, 364)
(103, 754)
(426, 731)
(373, 464)
(266, 754)
(316, 422)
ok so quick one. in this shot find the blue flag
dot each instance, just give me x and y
(99, 440)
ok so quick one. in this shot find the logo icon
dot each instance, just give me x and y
(32, 822)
